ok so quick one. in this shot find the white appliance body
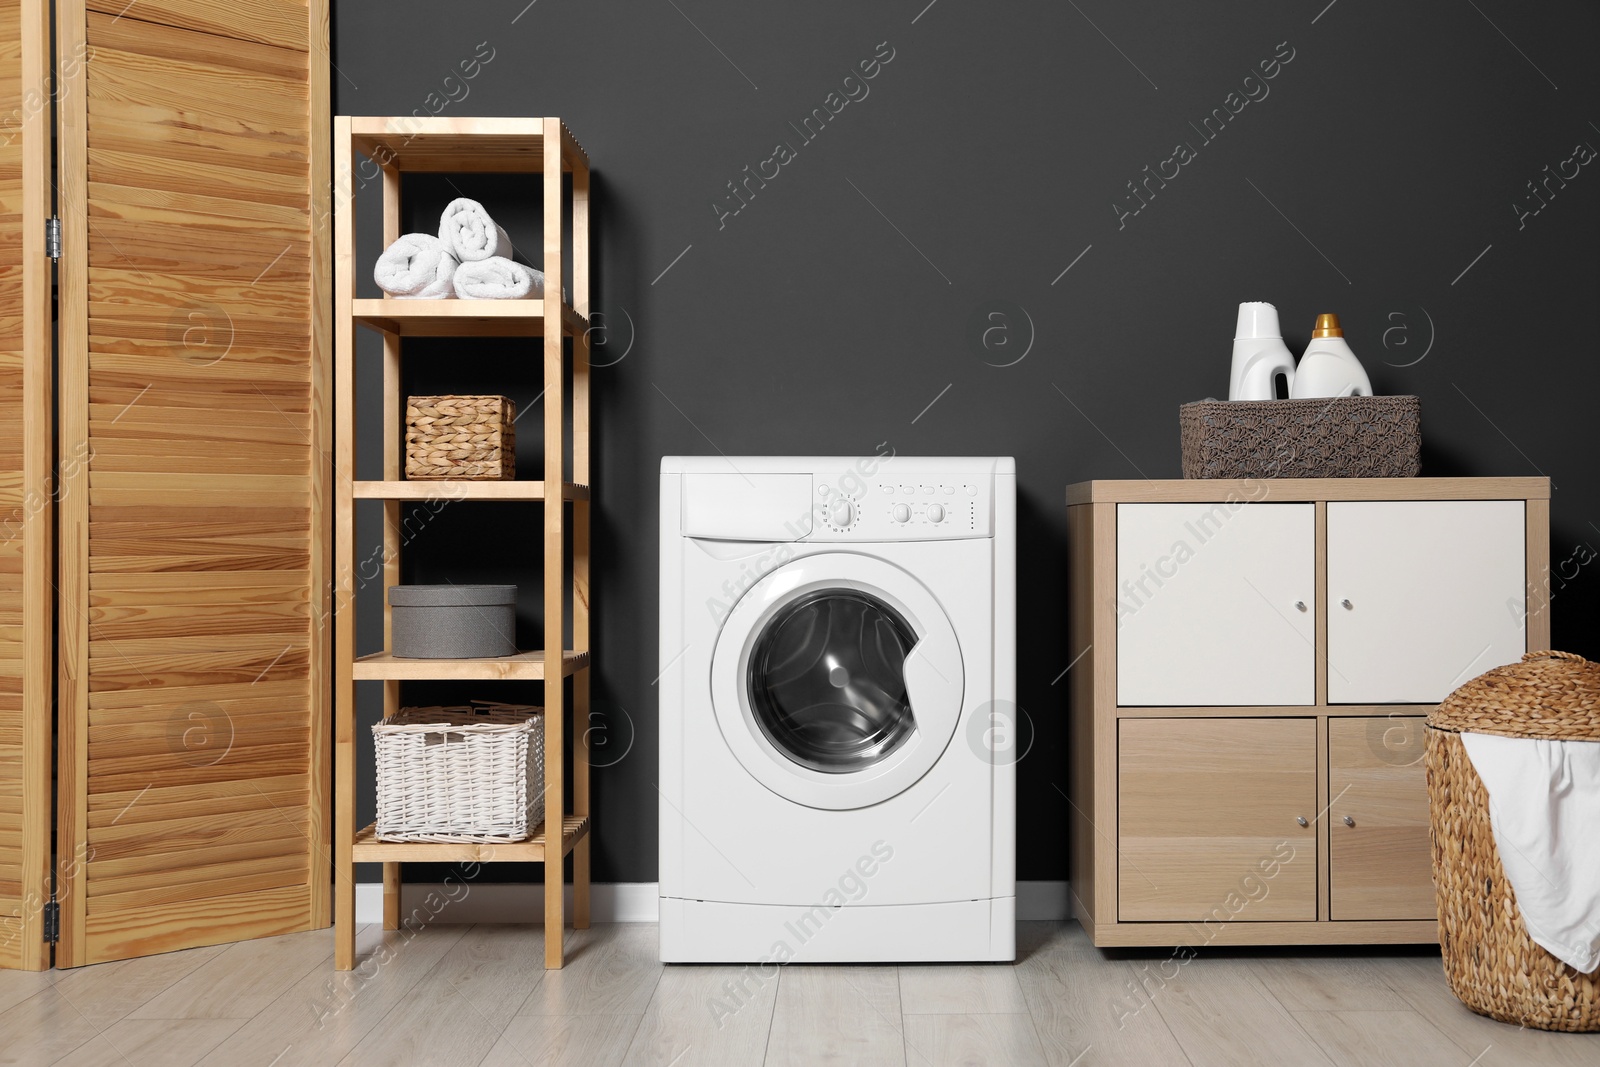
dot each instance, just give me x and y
(838, 718)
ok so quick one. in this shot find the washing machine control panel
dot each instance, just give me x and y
(892, 509)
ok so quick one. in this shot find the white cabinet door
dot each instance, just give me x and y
(1214, 604)
(1422, 596)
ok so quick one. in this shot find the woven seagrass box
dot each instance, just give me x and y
(460, 773)
(461, 437)
(1489, 960)
(1338, 437)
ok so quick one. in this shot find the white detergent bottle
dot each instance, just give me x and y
(1328, 367)
(1259, 354)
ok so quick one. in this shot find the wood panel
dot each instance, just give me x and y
(1282, 490)
(1082, 835)
(556, 608)
(194, 572)
(1380, 861)
(1209, 820)
(26, 485)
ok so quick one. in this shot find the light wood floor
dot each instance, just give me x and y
(461, 996)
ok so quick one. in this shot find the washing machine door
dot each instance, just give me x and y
(837, 680)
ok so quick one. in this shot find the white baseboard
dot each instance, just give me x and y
(609, 902)
(509, 902)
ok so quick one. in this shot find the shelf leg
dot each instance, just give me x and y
(391, 896)
(555, 608)
(580, 798)
(344, 689)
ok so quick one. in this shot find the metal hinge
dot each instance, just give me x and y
(52, 922)
(52, 237)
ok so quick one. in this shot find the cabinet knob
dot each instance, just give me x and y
(1348, 821)
(1301, 819)
(1299, 605)
(1347, 605)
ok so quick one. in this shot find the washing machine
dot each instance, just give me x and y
(838, 720)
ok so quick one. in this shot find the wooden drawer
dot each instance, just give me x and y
(1380, 860)
(1207, 820)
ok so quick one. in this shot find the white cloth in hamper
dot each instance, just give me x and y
(469, 231)
(1544, 804)
(417, 267)
(498, 278)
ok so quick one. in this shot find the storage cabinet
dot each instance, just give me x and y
(1379, 864)
(1248, 655)
(1423, 595)
(1209, 818)
(1248, 572)
(558, 171)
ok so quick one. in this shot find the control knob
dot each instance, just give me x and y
(902, 513)
(935, 512)
(841, 512)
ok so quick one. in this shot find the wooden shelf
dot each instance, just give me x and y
(463, 489)
(524, 666)
(496, 145)
(368, 849)
(555, 347)
(461, 318)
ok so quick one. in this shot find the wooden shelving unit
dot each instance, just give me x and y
(542, 147)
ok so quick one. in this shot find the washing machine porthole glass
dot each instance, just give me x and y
(827, 680)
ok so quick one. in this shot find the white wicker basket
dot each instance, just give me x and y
(460, 773)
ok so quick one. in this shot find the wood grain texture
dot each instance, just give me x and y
(1396, 909)
(1223, 1016)
(368, 849)
(465, 318)
(1380, 862)
(72, 429)
(380, 666)
(1281, 490)
(27, 487)
(195, 382)
(1207, 812)
(537, 147)
(344, 580)
(836, 1015)
(1083, 839)
(449, 489)
(557, 610)
(1539, 588)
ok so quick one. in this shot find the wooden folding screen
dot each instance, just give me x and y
(26, 485)
(193, 583)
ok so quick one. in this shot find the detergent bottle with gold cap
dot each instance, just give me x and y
(1328, 367)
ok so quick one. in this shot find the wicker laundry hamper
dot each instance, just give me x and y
(1489, 960)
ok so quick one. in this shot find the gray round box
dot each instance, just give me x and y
(453, 621)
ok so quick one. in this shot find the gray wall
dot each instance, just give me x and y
(1378, 175)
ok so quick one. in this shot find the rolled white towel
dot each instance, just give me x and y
(498, 278)
(469, 231)
(416, 267)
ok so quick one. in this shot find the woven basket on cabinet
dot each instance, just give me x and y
(1339, 437)
(460, 773)
(1489, 960)
(461, 437)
